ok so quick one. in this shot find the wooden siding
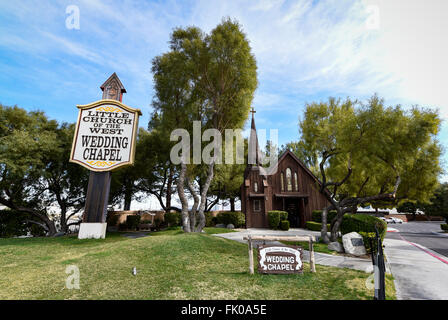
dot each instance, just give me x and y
(308, 196)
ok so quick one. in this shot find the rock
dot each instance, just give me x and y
(59, 234)
(335, 246)
(353, 244)
(220, 225)
(230, 226)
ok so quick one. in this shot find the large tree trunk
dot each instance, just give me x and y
(194, 209)
(336, 224)
(201, 223)
(168, 189)
(183, 198)
(324, 231)
(232, 204)
(127, 199)
(51, 228)
(64, 227)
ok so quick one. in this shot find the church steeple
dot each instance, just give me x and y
(254, 148)
(113, 88)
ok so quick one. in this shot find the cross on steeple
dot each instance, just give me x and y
(252, 111)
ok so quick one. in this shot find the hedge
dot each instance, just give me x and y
(274, 218)
(315, 226)
(112, 219)
(444, 227)
(236, 218)
(13, 223)
(210, 220)
(284, 225)
(132, 222)
(363, 223)
(173, 218)
(317, 215)
(365, 238)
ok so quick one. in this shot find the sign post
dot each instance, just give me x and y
(104, 140)
(280, 258)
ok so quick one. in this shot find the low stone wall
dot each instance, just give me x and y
(159, 214)
(143, 213)
(422, 217)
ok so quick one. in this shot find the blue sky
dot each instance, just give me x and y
(305, 50)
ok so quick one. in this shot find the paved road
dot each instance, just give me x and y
(424, 233)
(416, 257)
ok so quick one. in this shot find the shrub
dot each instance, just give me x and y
(122, 226)
(173, 218)
(132, 222)
(284, 225)
(363, 223)
(236, 218)
(210, 220)
(146, 221)
(317, 215)
(365, 238)
(14, 223)
(315, 226)
(444, 227)
(157, 223)
(112, 219)
(274, 218)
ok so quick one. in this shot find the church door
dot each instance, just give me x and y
(292, 207)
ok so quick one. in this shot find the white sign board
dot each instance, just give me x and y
(105, 135)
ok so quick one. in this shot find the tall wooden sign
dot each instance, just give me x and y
(104, 140)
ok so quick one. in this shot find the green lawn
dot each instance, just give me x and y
(170, 265)
(318, 246)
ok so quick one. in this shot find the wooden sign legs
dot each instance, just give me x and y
(97, 197)
(94, 219)
(309, 239)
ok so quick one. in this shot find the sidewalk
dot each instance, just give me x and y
(418, 274)
(320, 258)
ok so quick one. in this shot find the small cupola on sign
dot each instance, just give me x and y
(113, 88)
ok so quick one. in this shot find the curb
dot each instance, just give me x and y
(440, 234)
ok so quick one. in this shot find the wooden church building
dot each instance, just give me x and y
(292, 187)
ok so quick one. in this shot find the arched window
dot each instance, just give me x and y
(255, 186)
(296, 182)
(282, 182)
(288, 179)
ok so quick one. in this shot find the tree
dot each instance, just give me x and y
(411, 207)
(161, 174)
(370, 154)
(438, 205)
(34, 169)
(227, 182)
(206, 78)
(65, 182)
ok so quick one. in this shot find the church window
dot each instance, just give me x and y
(257, 205)
(288, 179)
(282, 182)
(255, 186)
(296, 183)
